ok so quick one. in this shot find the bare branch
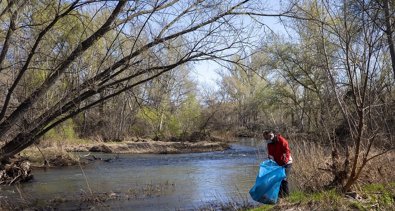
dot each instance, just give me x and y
(26, 104)
(30, 56)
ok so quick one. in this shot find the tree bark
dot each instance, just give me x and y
(389, 33)
(7, 40)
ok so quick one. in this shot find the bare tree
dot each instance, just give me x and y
(117, 47)
(351, 49)
(339, 55)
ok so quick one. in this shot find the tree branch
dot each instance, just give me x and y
(83, 46)
(29, 58)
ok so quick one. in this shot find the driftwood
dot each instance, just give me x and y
(15, 171)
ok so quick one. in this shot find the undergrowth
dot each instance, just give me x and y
(369, 197)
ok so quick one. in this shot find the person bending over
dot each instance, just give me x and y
(278, 150)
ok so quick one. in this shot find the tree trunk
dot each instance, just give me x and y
(16, 116)
(13, 147)
(389, 33)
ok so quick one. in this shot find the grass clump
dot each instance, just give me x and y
(265, 207)
(382, 195)
(52, 156)
(64, 142)
(324, 197)
(358, 206)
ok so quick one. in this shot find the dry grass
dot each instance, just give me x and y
(371, 197)
(55, 156)
(56, 152)
(380, 170)
(310, 159)
(62, 143)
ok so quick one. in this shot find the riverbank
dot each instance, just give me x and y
(310, 179)
(151, 179)
(147, 146)
(368, 197)
(380, 196)
(58, 153)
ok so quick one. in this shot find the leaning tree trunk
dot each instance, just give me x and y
(15, 146)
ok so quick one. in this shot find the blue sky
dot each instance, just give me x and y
(205, 72)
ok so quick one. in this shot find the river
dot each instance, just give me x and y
(151, 182)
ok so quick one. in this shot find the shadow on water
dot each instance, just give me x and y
(152, 182)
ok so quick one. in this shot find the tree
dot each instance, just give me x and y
(163, 102)
(352, 55)
(389, 10)
(337, 69)
(120, 46)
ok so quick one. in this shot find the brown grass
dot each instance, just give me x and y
(310, 159)
(57, 152)
(55, 156)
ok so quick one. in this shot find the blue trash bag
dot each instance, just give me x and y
(268, 181)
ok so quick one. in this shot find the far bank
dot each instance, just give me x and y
(60, 152)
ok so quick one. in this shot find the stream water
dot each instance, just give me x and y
(153, 182)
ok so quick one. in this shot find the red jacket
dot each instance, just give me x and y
(279, 150)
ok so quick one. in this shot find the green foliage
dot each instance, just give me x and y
(69, 30)
(358, 206)
(51, 134)
(63, 131)
(374, 195)
(174, 126)
(301, 197)
(250, 95)
(36, 78)
(151, 117)
(161, 121)
(264, 208)
(173, 109)
(189, 113)
(330, 196)
(297, 196)
(67, 129)
(383, 194)
(378, 187)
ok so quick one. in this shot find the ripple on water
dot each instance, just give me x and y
(197, 179)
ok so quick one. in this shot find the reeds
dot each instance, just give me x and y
(311, 162)
(308, 161)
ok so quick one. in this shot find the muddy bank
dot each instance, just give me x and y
(146, 146)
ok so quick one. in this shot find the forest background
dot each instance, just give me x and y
(111, 70)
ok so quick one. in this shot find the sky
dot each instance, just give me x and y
(206, 72)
